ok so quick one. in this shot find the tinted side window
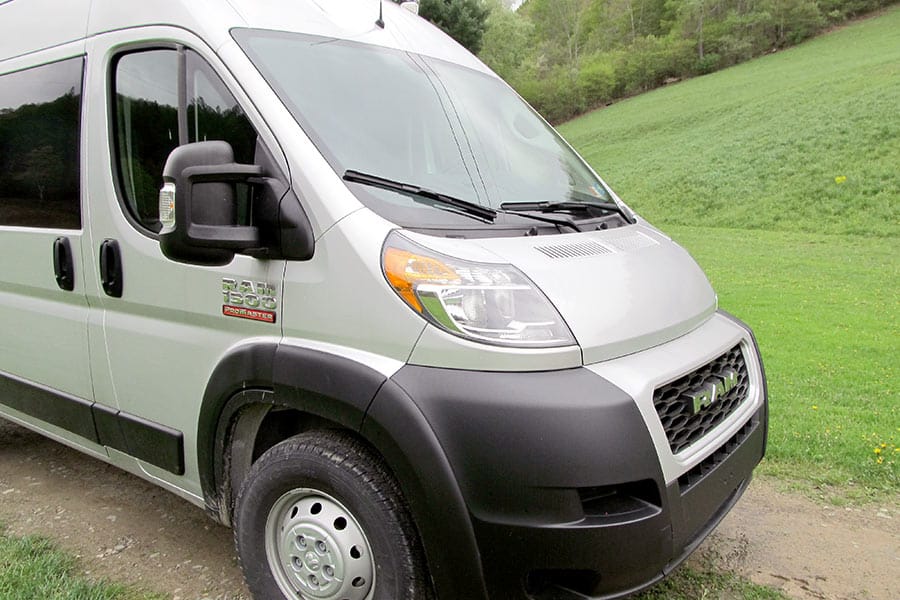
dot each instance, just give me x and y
(150, 121)
(40, 110)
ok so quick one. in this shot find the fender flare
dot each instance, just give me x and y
(343, 391)
(399, 430)
(311, 381)
(244, 368)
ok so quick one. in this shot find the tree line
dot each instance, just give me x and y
(569, 56)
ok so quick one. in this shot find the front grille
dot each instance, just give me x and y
(675, 401)
(708, 464)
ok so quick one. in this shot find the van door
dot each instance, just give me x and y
(45, 374)
(164, 322)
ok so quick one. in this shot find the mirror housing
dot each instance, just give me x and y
(202, 228)
(282, 221)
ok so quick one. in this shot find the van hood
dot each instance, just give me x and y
(620, 290)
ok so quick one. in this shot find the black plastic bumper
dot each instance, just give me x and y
(610, 557)
(551, 480)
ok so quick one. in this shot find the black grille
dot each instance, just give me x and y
(675, 405)
(695, 475)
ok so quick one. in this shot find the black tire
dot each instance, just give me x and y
(333, 469)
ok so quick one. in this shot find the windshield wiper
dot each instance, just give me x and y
(563, 221)
(423, 195)
(565, 206)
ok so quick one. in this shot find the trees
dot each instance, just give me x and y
(560, 24)
(463, 20)
(507, 38)
(566, 56)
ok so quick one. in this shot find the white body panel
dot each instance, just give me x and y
(355, 20)
(44, 328)
(340, 295)
(633, 289)
(438, 348)
(168, 325)
(60, 23)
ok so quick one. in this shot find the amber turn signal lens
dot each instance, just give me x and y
(405, 270)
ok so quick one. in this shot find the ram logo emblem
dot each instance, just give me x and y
(248, 293)
(712, 391)
(254, 300)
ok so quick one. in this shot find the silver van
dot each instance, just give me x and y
(312, 266)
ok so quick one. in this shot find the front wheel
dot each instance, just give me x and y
(320, 517)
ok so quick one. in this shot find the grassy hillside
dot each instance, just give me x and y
(825, 311)
(766, 144)
(746, 168)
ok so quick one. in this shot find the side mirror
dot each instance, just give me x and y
(198, 208)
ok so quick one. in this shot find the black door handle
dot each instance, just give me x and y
(63, 265)
(111, 268)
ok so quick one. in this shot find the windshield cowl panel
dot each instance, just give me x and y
(446, 130)
(447, 223)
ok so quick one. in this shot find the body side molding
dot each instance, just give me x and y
(51, 406)
(145, 440)
(150, 442)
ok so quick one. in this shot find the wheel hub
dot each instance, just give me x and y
(316, 548)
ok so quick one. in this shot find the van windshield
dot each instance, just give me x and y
(421, 121)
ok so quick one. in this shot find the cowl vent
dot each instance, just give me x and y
(573, 250)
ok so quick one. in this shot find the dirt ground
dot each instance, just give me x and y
(128, 530)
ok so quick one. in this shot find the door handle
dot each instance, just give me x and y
(111, 268)
(63, 265)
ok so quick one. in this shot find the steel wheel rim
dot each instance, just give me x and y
(317, 550)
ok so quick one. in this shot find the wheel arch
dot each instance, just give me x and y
(255, 379)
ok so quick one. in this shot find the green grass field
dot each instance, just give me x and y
(32, 568)
(764, 145)
(746, 169)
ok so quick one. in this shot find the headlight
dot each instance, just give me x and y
(491, 303)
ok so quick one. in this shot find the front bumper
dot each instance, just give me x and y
(569, 491)
(618, 553)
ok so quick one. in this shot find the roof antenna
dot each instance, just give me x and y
(380, 21)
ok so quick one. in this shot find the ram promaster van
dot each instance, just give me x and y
(312, 266)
